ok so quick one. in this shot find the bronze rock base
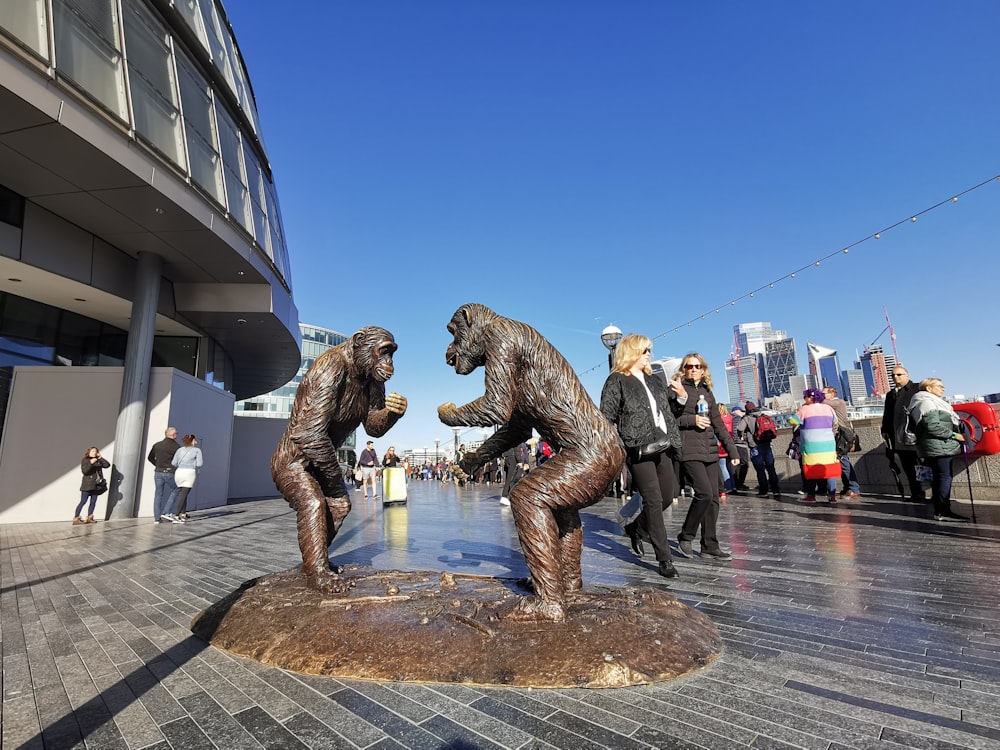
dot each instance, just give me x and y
(442, 627)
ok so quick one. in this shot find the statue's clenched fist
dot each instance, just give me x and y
(395, 403)
(448, 414)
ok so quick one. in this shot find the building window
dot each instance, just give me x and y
(232, 163)
(200, 131)
(153, 84)
(256, 192)
(88, 50)
(11, 207)
(25, 20)
(191, 13)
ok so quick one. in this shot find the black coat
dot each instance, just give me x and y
(893, 415)
(701, 445)
(625, 404)
(92, 473)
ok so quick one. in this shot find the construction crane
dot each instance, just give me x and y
(892, 335)
(892, 339)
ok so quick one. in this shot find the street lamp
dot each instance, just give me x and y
(610, 337)
(437, 449)
(456, 430)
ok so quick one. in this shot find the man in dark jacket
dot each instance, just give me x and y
(161, 456)
(893, 418)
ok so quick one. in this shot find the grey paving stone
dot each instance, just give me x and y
(533, 725)
(185, 733)
(454, 735)
(130, 716)
(218, 724)
(266, 731)
(20, 727)
(313, 733)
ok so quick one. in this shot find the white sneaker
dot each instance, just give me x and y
(166, 517)
(505, 501)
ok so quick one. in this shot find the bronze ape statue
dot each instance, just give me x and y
(344, 387)
(530, 385)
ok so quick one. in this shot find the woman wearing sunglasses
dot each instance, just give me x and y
(700, 453)
(638, 404)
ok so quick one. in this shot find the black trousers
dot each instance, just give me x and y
(704, 510)
(512, 473)
(653, 478)
(909, 460)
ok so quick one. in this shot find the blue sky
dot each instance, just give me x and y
(639, 162)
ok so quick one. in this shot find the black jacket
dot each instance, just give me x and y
(701, 445)
(625, 404)
(893, 415)
(92, 473)
(162, 453)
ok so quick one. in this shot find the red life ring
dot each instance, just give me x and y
(982, 427)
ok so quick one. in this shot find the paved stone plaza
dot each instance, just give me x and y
(858, 626)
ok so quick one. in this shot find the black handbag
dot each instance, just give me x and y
(654, 448)
(101, 486)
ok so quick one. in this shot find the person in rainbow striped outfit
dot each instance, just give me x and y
(818, 445)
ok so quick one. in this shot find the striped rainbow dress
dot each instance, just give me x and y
(817, 442)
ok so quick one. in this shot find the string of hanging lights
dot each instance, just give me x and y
(816, 263)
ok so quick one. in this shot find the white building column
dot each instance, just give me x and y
(123, 499)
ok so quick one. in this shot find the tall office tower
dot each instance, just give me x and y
(665, 367)
(876, 368)
(752, 338)
(779, 365)
(855, 390)
(743, 377)
(823, 365)
(798, 383)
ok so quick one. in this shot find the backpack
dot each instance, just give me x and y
(764, 429)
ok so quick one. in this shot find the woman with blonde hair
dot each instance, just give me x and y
(691, 385)
(939, 440)
(637, 403)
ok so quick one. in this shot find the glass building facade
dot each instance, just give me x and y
(139, 228)
(166, 76)
(780, 365)
(278, 403)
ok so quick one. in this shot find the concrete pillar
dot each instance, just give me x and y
(123, 497)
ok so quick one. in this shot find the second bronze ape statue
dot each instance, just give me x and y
(530, 385)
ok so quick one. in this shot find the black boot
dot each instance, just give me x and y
(632, 529)
(667, 569)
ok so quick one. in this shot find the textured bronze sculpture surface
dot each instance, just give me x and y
(343, 388)
(530, 385)
(450, 628)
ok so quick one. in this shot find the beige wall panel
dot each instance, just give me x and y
(55, 414)
(206, 412)
(254, 441)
